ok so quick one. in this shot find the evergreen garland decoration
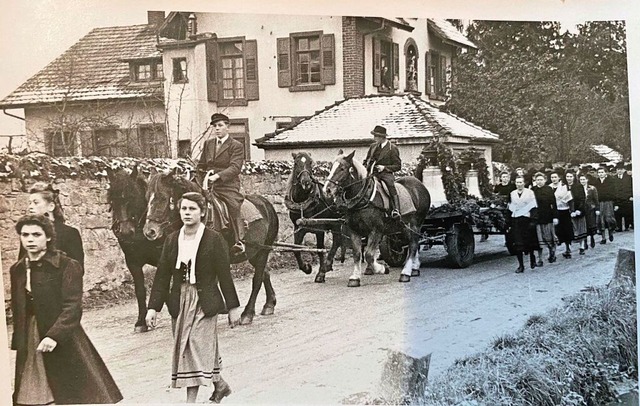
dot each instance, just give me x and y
(471, 158)
(455, 189)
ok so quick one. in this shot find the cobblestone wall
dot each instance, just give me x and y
(86, 208)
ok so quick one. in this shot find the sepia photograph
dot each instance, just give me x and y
(295, 203)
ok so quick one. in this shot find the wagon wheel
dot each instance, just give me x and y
(460, 245)
(393, 249)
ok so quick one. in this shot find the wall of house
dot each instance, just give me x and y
(275, 103)
(121, 114)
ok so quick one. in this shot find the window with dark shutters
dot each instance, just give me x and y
(251, 65)
(428, 74)
(376, 62)
(211, 51)
(232, 71)
(396, 66)
(306, 61)
(386, 65)
(443, 75)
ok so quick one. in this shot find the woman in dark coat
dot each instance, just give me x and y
(547, 217)
(194, 260)
(55, 361)
(592, 207)
(43, 200)
(578, 211)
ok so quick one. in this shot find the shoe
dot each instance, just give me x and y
(552, 259)
(533, 265)
(581, 251)
(566, 255)
(593, 243)
(238, 248)
(610, 236)
(220, 393)
(540, 263)
(603, 241)
(619, 230)
(520, 269)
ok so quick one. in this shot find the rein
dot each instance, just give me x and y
(360, 200)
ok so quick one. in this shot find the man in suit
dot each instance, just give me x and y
(624, 199)
(222, 158)
(383, 159)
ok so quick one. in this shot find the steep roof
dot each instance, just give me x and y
(607, 152)
(448, 33)
(404, 116)
(94, 68)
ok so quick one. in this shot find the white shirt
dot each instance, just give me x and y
(384, 144)
(220, 141)
(187, 250)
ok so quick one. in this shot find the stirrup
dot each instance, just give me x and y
(395, 213)
(238, 248)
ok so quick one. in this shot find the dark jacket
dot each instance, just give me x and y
(607, 189)
(547, 206)
(212, 266)
(624, 189)
(226, 161)
(504, 190)
(67, 240)
(75, 371)
(579, 202)
(389, 157)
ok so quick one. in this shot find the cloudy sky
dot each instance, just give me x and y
(35, 32)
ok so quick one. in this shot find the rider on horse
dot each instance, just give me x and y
(222, 158)
(383, 159)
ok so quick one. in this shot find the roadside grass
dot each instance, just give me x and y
(577, 354)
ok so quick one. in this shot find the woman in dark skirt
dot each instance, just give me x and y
(547, 217)
(592, 207)
(55, 361)
(44, 201)
(564, 229)
(523, 227)
(578, 211)
(194, 261)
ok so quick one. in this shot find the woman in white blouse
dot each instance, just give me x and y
(564, 229)
(523, 228)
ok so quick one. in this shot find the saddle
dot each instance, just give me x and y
(218, 215)
(380, 197)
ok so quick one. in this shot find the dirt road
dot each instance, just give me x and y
(325, 341)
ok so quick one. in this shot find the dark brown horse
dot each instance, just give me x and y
(126, 196)
(305, 200)
(163, 217)
(352, 188)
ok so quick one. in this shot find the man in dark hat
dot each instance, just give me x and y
(624, 200)
(222, 158)
(383, 159)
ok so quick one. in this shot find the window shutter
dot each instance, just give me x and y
(427, 75)
(328, 60)
(376, 62)
(211, 50)
(443, 75)
(396, 65)
(251, 66)
(284, 62)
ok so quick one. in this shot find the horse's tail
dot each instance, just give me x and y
(419, 194)
(268, 214)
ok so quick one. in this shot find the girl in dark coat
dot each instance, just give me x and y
(547, 217)
(55, 361)
(592, 207)
(43, 200)
(194, 260)
(578, 211)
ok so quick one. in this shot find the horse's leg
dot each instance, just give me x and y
(415, 268)
(321, 257)
(141, 296)
(304, 266)
(371, 253)
(258, 261)
(405, 275)
(336, 242)
(354, 279)
(270, 303)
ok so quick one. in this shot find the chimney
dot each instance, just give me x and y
(192, 25)
(155, 18)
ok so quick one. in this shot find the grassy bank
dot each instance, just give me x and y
(576, 354)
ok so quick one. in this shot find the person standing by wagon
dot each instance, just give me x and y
(55, 360)
(523, 230)
(624, 199)
(222, 159)
(578, 211)
(194, 280)
(564, 229)
(547, 217)
(383, 159)
(44, 201)
(606, 187)
(592, 207)
(504, 187)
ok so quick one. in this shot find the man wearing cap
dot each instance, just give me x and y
(222, 158)
(607, 195)
(624, 199)
(383, 159)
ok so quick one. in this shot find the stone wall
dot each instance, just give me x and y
(86, 208)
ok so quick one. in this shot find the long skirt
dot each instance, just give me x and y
(523, 234)
(607, 216)
(592, 222)
(34, 388)
(196, 361)
(546, 235)
(564, 229)
(579, 228)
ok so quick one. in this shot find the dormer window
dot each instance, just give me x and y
(145, 71)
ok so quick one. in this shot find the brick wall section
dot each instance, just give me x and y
(352, 55)
(86, 208)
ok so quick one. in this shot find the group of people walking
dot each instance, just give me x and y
(55, 360)
(565, 207)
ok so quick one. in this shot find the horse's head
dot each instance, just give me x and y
(343, 173)
(126, 196)
(301, 174)
(161, 202)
